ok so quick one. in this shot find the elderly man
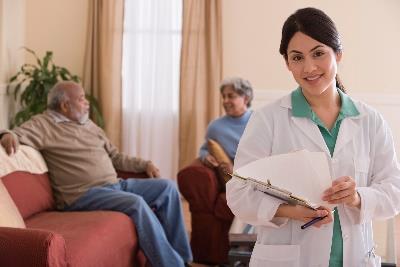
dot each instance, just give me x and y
(82, 162)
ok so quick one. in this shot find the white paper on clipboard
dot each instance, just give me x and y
(303, 173)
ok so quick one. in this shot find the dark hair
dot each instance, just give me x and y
(316, 24)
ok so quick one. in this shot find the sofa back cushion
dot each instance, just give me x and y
(24, 174)
(10, 216)
(31, 192)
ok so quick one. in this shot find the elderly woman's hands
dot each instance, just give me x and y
(225, 167)
(343, 191)
(210, 161)
(151, 170)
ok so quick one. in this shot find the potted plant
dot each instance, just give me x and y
(36, 80)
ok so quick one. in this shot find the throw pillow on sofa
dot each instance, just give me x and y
(9, 214)
(24, 159)
(220, 155)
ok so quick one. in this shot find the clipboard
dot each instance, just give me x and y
(275, 191)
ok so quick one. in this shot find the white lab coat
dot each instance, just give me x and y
(364, 150)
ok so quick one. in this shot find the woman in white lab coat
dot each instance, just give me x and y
(318, 116)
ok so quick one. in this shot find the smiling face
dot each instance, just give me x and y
(234, 104)
(313, 65)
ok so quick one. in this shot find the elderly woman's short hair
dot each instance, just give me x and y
(241, 86)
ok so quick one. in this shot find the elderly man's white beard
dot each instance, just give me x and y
(81, 117)
(84, 118)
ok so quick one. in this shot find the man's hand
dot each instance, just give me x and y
(304, 214)
(343, 191)
(9, 143)
(152, 171)
(210, 161)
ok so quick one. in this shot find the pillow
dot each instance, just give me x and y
(219, 154)
(25, 159)
(9, 214)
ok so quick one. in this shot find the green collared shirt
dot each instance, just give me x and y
(301, 108)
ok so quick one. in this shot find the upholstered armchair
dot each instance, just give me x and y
(211, 217)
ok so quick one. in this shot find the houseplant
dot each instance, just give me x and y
(32, 83)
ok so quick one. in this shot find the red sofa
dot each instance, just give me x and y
(74, 239)
(211, 217)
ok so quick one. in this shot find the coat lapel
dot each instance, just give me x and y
(306, 126)
(348, 130)
(311, 130)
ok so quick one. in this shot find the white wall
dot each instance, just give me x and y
(59, 26)
(370, 31)
(3, 107)
(12, 35)
(41, 25)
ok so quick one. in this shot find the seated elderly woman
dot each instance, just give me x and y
(237, 95)
(199, 183)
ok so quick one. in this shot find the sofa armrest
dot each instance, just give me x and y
(200, 187)
(126, 175)
(31, 247)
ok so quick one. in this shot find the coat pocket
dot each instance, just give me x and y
(374, 261)
(275, 255)
(361, 167)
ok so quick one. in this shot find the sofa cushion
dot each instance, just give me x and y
(209, 239)
(97, 238)
(10, 216)
(31, 192)
(221, 210)
(31, 248)
(199, 185)
(24, 159)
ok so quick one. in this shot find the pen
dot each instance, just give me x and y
(316, 219)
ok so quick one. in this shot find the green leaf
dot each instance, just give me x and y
(75, 78)
(46, 59)
(21, 117)
(30, 51)
(13, 78)
(17, 89)
(34, 54)
(38, 79)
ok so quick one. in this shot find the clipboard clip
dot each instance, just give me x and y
(269, 189)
